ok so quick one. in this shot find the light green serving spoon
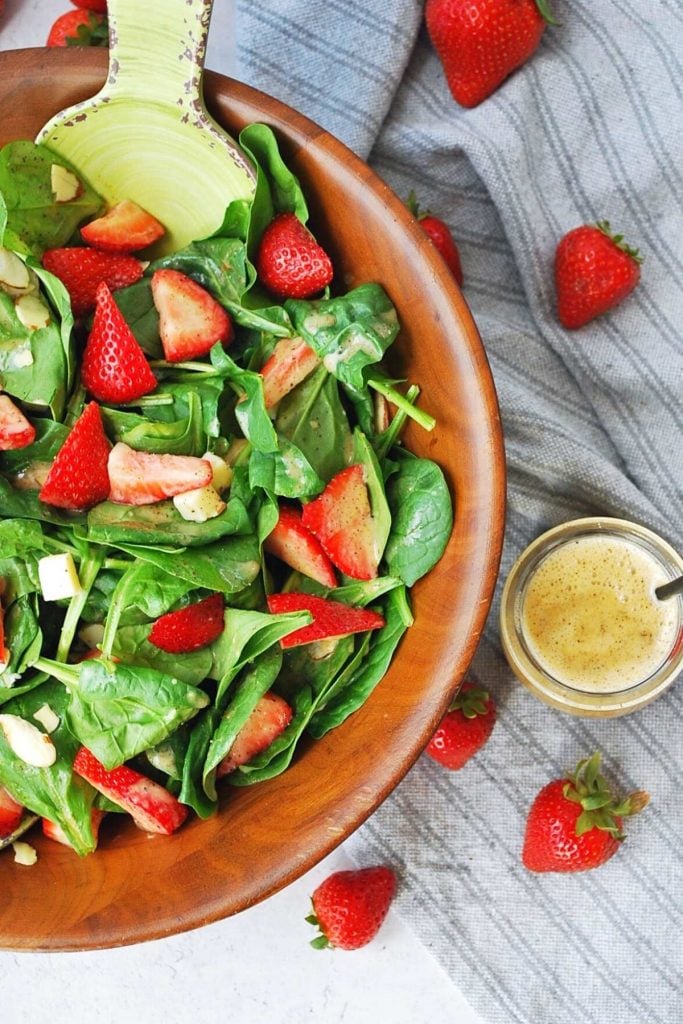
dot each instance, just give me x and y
(146, 135)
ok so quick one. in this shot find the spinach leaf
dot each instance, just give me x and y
(34, 366)
(247, 635)
(50, 436)
(61, 303)
(33, 216)
(312, 417)
(350, 332)
(137, 306)
(185, 436)
(16, 504)
(229, 565)
(252, 685)
(370, 671)
(132, 647)
(207, 387)
(286, 472)
(54, 792)
(161, 523)
(117, 711)
(23, 639)
(250, 410)
(422, 518)
(192, 790)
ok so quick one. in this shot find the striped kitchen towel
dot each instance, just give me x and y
(590, 128)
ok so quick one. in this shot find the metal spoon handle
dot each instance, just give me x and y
(157, 50)
(670, 589)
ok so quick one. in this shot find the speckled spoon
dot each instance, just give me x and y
(146, 135)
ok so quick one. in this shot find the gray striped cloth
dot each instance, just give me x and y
(590, 128)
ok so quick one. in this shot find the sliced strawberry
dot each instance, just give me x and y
(124, 228)
(81, 270)
(78, 477)
(190, 319)
(4, 651)
(290, 262)
(341, 519)
(330, 618)
(270, 717)
(114, 367)
(54, 831)
(189, 628)
(291, 362)
(11, 813)
(152, 807)
(299, 548)
(15, 429)
(141, 478)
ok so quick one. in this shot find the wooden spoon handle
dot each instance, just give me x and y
(157, 50)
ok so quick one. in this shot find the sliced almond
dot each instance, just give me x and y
(27, 741)
(14, 276)
(32, 312)
(24, 854)
(64, 184)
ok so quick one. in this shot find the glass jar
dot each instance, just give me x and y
(581, 626)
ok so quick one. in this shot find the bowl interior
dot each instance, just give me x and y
(136, 887)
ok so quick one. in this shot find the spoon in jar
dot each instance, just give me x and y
(670, 589)
(146, 136)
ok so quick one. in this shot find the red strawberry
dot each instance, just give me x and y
(481, 42)
(141, 478)
(4, 651)
(114, 367)
(299, 548)
(349, 907)
(11, 814)
(270, 717)
(190, 319)
(291, 362)
(189, 628)
(15, 429)
(594, 271)
(123, 229)
(440, 235)
(341, 519)
(79, 28)
(575, 823)
(465, 728)
(152, 807)
(290, 262)
(100, 6)
(78, 477)
(81, 270)
(330, 618)
(54, 831)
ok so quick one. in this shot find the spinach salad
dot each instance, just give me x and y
(81, 672)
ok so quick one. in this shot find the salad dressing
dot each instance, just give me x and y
(590, 616)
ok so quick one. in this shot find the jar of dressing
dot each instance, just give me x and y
(581, 625)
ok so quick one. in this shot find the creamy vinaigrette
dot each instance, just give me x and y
(590, 616)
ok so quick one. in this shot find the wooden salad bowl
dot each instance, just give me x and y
(135, 887)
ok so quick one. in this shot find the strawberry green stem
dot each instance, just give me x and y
(546, 13)
(599, 808)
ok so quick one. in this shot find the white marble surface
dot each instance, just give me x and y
(257, 966)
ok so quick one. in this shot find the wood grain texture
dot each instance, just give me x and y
(137, 888)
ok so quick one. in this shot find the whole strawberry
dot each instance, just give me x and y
(575, 823)
(465, 728)
(291, 264)
(79, 27)
(481, 42)
(594, 271)
(441, 236)
(350, 906)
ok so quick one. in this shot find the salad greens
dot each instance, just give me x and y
(176, 716)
